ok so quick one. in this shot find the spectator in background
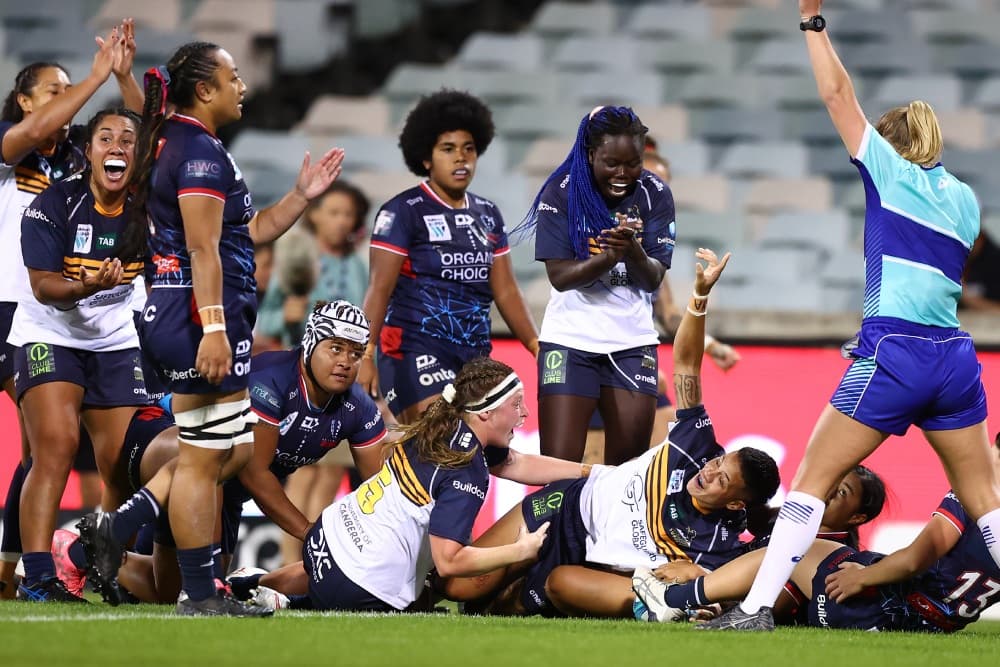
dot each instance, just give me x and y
(981, 280)
(317, 261)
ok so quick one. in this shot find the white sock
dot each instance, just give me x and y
(794, 532)
(989, 526)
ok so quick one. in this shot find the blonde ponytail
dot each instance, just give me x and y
(914, 132)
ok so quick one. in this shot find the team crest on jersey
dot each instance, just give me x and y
(676, 481)
(287, 422)
(683, 536)
(383, 223)
(437, 228)
(84, 238)
(334, 437)
(425, 361)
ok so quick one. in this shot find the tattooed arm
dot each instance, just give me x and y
(689, 342)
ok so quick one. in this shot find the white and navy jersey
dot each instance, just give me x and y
(19, 184)
(379, 535)
(306, 431)
(920, 225)
(641, 514)
(65, 231)
(193, 163)
(443, 289)
(966, 580)
(612, 313)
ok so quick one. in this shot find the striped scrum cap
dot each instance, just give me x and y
(340, 319)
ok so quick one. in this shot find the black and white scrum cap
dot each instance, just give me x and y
(340, 319)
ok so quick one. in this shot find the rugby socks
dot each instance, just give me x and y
(134, 513)
(38, 566)
(10, 545)
(687, 595)
(217, 568)
(794, 532)
(989, 526)
(197, 568)
(78, 555)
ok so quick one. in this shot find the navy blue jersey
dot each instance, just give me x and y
(192, 162)
(966, 580)
(306, 431)
(651, 198)
(443, 289)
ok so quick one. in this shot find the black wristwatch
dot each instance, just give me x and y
(815, 23)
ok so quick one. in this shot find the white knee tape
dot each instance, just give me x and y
(216, 426)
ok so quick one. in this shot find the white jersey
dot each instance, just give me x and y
(64, 233)
(379, 536)
(19, 184)
(640, 513)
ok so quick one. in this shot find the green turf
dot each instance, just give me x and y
(144, 635)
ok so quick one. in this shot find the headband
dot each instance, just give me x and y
(493, 398)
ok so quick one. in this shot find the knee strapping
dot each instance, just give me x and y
(218, 426)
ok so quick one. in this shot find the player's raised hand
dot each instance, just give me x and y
(314, 179)
(108, 54)
(708, 274)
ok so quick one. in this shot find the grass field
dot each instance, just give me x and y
(144, 635)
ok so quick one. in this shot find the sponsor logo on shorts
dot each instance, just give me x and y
(390, 395)
(168, 264)
(443, 375)
(186, 374)
(41, 359)
(425, 361)
(546, 505)
(554, 367)
(320, 561)
(437, 228)
(243, 348)
(821, 610)
(648, 379)
(648, 359)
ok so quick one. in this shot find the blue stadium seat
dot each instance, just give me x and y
(670, 21)
(490, 50)
(780, 159)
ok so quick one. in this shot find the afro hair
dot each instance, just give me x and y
(440, 112)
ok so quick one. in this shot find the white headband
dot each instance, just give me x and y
(493, 398)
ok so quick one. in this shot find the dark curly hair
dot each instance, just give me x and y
(760, 475)
(440, 112)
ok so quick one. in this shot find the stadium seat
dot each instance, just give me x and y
(752, 263)
(979, 168)
(381, 186)
(522, 52)
(19, 16)
(824, 233)
(987, 97)
(832, 161)
(714, 90)
(773, 195)
(965, 128)
(560, 19)
(956, 26)
(162, 15)
(779, 159)
(724, 126)
(943, 92)
(374, 19)
(309, 34)
(851, 27)
(687, 56)
(608, 87)
(969, 61)
(811, 126)
(268, 149)
(362, 153)
(335, 114)
(589, 53)
(687, 158)
(254, 16)
(670, 21)
(784, 55)
(701, 193)
(667, 122)
(543, 156)
(719, 231)
(770, 295)
(756, 24)
(887, 58)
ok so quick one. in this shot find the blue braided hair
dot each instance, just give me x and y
(587, 212)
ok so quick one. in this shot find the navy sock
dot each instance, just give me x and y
(243, 585)
(78, 555)
(300, 602)
(144, 540)
(217, 569)
(135, 513)
(690, 594)
(11, 542)
(38, 565)
(197, 572)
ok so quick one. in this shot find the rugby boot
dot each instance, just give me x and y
(736, 619)
(66, 570)
(104, 554)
